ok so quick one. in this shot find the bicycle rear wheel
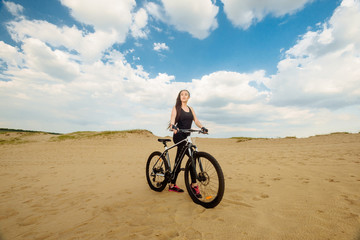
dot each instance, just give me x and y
(156, 172)
(210, 181)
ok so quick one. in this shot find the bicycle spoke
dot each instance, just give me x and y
(209, 188)
(156, 168)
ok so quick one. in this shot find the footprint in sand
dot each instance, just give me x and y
(236, 203)
(209, 236)
(43, 236)
(28, 201)
(60, 195)
(30, 220)
(146, 232)
(262, 196)
(24, 187)
(347, 199)
(236, 197)
(8, 213)
(352, 215)
(331, 180)
(37, 205)
(304, 180)
(265, 183)
(191, 233)
(168, 234)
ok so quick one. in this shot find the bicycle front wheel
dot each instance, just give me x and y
(156, 172)
(209, 178)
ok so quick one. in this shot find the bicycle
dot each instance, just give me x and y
(209, 175)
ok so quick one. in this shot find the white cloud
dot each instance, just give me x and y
(112, 23)
(47, 32)
(155, 11)
(244, 13)
(160, 47)
(56, 64)
(223, 88)
(139, 23)
(106, 15)
(112, 20)
(10, 55)
(90, 46)
(323, 68)
(195, 17)
(13, 8)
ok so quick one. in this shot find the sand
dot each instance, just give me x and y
(95, 188)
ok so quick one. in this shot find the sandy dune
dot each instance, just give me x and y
(95, 188)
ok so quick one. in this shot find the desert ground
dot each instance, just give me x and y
(93, 186)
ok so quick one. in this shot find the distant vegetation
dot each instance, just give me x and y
(15, 140)
(5, 130)
(334, 133)
(106, 134)
(21, 136)
(244, 139)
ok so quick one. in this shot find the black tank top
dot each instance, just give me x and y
(185, 119)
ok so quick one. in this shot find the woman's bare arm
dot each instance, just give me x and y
(172, 119)
(196, 120)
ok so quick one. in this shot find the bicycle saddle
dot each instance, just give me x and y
(164, 140)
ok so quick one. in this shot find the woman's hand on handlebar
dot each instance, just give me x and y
(204, 130)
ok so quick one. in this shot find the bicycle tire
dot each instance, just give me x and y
(211, 182)
(156, 182)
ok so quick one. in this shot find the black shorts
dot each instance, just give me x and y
(179, 136)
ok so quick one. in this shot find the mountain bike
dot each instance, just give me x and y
(209, 175)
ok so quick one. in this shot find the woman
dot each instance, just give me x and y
(181, 118)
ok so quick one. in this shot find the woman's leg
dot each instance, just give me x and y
(178, 155)
(192, 171)
(193, 174)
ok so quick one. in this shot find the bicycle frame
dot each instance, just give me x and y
(188, 147)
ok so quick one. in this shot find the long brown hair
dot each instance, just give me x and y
(178, 107)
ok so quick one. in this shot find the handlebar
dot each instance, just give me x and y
(192, 130)
(203, 130)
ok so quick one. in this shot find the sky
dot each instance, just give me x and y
(253, 68)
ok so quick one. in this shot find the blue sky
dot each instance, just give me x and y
(232, 49)
(254, 68)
